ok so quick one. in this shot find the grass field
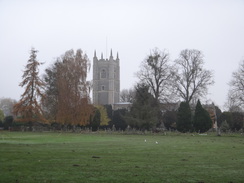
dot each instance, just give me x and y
(70, 157)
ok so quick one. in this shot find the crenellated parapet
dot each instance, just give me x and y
(111, 58)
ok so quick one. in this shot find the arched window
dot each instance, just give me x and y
(103, 73)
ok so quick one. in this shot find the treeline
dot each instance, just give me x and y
(146, 114)
(61, 96)
(143, 116)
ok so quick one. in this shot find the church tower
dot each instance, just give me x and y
(106, 80)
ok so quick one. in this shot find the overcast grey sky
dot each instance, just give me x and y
(131, 27)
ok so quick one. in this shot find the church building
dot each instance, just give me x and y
(106, 80)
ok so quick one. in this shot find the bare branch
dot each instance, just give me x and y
(156, 72)
(191, 80)
(236, 92)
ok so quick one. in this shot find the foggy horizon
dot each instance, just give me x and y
(130, 28)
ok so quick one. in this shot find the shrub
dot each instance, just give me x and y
(224, 126)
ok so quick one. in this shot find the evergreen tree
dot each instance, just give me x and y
(8, 122)
(1, 116)
(28, 109)
(235, 120)
(226, 116)
(109, 110)
(118, 119)
(224, 126)
(184, 121)
(169, 119)
(96, 120)
(202, 120)
(144, 113)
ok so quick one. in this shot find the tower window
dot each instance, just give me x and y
(115, 74)
(103, 73)
(102, 87)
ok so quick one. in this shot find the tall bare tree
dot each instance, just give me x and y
(191, 80)
(236, 92)
(155, 72)
(28, 109)
(127, 95)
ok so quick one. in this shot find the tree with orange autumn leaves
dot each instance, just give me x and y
(29, 109)
(67, 91)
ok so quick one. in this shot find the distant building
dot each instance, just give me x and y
(122, 105)
(106, 80)
(212, 113)
(169, 106)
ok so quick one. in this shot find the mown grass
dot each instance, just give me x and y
(69, 157)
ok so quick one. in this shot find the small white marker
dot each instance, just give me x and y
(156, 142)
(145, 140)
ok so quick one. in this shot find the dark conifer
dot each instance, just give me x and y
(96, 120)
(202, 121)
(184, 121)
(144, 113)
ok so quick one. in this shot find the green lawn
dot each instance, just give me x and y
(72, 157)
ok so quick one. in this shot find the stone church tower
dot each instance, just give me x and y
(106, 80)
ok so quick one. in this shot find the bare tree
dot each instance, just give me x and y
(236, 92)
(127, 95)
(191, 80)
(155, 72)
(6, 105)
(28, 109)
(233, 103)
